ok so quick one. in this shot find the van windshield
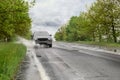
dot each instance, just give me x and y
(41, 33)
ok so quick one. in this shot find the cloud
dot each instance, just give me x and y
(50, 14)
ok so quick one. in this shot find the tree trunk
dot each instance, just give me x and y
(113, 26)
(93, 36)
(99, 34)
(114, 33)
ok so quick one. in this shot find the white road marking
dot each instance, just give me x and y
(40, 68)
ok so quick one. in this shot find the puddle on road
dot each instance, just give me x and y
(38, 55)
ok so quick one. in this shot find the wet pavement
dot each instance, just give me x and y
(28, 70)
(68, 62)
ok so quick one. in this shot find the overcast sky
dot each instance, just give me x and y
(49, 15)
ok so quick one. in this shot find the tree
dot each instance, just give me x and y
(71, 29)
(61, 33)
(100, 23)
(105, 13)
(14, 18)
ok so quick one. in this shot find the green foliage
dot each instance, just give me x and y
(73, 29)
(104, 14)
(11, 55)
(14, 18)
(101, 23)
(61, 34)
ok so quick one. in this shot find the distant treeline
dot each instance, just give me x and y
(14, 19)
(101, 23)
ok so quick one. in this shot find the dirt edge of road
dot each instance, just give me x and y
(22, 69)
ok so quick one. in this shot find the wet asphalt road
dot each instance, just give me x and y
(61, 63)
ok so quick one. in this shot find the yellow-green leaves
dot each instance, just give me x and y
(14, 18)
(101, 23)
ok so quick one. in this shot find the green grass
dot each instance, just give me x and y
(104, 44)
(11, 55)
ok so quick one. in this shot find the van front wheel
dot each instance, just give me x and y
(50, 45)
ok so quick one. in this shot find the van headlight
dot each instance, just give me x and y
(49, 39)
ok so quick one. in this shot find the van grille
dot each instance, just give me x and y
(42, 39)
